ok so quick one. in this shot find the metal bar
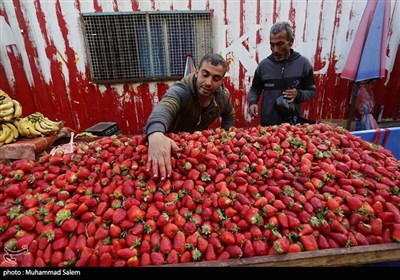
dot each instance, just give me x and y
(166, 47)
(150, 44)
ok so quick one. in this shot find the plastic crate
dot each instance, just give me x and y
(387, 137)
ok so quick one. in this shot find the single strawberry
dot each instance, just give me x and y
(309, 242)
(157, 258)
(59, 244)
(186, 257)
(227, 238)
(396, 232)
(69, 225)
(69, 256)
(126, 253)
(119, 215)
(106, 260)
(248, 250)
(170, 230)
(260, 248)
(56, 258)
(27, 223)
(165, 245)
(132, 262)
(28, 260)
(281, 245)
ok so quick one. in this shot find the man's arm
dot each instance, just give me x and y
(163, 114)
(160, 146)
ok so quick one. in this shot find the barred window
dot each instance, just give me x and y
(143, 46)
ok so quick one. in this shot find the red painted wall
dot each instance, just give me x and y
(80, 103)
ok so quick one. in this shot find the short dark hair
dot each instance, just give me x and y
(280, 26)
(215, 60)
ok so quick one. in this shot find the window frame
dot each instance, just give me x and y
(103, 66)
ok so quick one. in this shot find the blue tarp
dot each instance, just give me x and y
(392, 142)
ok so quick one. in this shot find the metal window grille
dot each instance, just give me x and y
(142, 46)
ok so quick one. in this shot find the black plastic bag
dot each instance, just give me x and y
(284, 107)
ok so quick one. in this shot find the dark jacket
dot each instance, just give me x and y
(273, 77)
(180, 111)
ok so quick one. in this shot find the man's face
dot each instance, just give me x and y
(209, 79)
(280, 45)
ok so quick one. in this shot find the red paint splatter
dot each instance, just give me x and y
(96, 6)
(77, 5)
(161, 90)
(226, 13)
(4, 85)
(38, 89)
(153, 4)
(242, 18)
(135, 5)
(292, 17)
(275, 12)
(318, 62)
(351, 16)
(258, 12)
(258, 21)
(258, 37)
(245, 44)
(207, 6)
(189, 5)
(115, 6)
(4, 14)
(22, 89)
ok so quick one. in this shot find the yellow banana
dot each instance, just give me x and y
(7, 112)
(49, 124)
(5, 132)
(32, 131)
(21, 126)
(17, 108)
(46, 119)
(43, 130)
(36, 115)
(13, 129)
(8, 118)
(10, 137)
(29, 128)
(6, 105)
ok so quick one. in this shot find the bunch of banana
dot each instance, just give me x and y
(37, 125)
(9, 108)
(8, 133)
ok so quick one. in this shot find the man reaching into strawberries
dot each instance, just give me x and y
(189, 105)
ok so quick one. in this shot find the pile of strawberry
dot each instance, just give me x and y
(233, 194)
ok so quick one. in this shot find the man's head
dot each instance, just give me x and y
(281, 40)
(210, 74)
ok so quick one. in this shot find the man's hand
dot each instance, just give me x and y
(159, 154)
(253, 110)
(290, 94)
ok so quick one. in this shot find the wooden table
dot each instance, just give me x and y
(352, 256)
